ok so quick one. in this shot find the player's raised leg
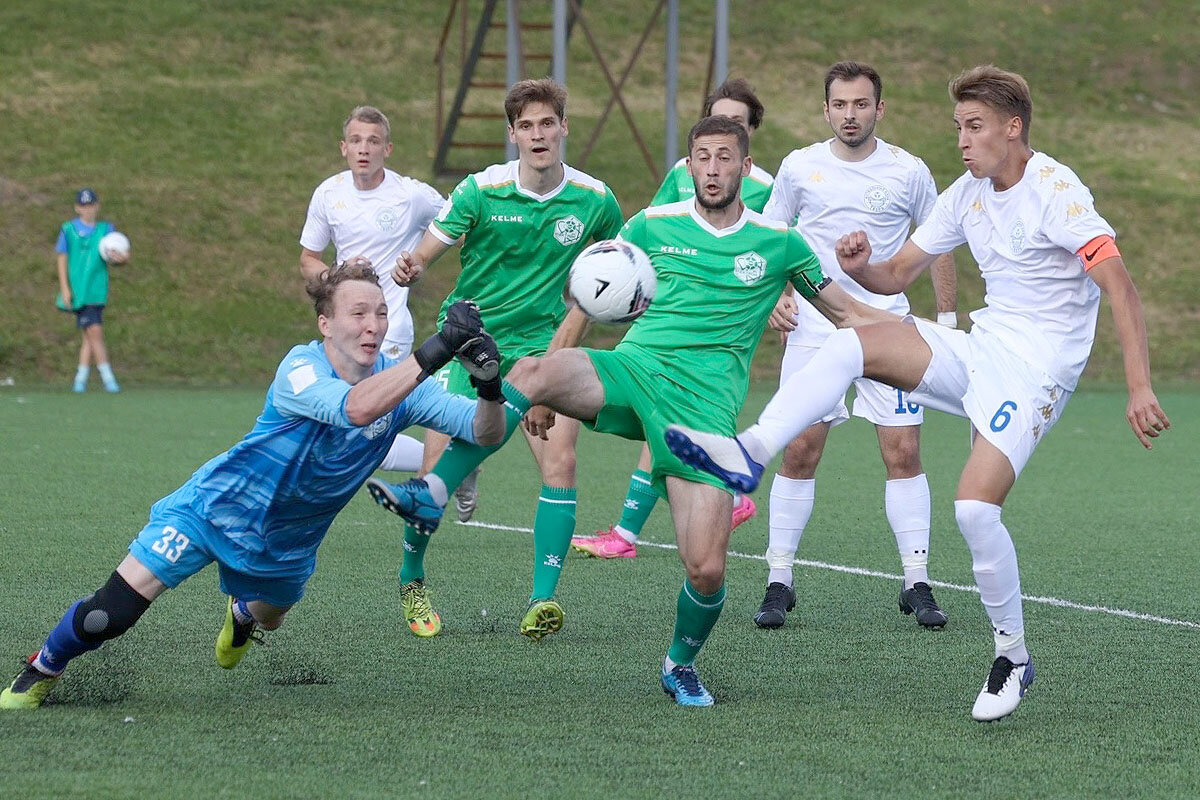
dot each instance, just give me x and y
(890, 352)
(700, 513)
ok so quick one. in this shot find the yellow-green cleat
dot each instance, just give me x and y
(543, 617)
(28, 689)
(234, 639)
(422, 620)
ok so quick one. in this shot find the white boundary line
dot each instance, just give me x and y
(870, 573)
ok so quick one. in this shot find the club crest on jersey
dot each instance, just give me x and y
(387, 219)
(749, 268)
(568, 230)
(876, 197)
(1016, 237)
(378, 427)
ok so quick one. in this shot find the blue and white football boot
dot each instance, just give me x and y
(722, 456)
(683, 684)
(410, 500)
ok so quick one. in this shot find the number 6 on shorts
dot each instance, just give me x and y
(1003, 416)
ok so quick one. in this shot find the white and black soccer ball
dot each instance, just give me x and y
(613, 281)
(114, 245)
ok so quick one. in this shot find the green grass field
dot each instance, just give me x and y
(850, 699)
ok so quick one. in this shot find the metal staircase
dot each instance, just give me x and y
(479, 58)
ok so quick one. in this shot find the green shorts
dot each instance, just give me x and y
(641, 397)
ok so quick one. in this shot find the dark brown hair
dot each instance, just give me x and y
(848, 71)
(720, 126)
(539, 90)
(323, 287)
(740, 90)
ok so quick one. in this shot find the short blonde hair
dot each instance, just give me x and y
(1006, 92)
(370, 115)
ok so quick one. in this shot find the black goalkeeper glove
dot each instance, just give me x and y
(481, 358)
(461, 328)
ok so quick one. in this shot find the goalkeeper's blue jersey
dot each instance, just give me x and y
(273, 495)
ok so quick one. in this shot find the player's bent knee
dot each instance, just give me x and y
(976, 518)
(108, 613)
(707, 577)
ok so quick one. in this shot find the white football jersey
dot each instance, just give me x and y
(377, 224)
(826, 198)
(1038, 299)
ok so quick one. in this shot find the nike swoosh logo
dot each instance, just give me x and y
(1091, 255)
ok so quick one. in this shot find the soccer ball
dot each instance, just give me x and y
(612, 281)
(114, 245)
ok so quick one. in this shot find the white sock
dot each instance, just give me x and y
(668, 665)
(906, 502)
(791, 506)
(82, 372)
(105, 371)
(404, 454)
(806, 396)
(628, 536)
(994, 560)
(437, 489)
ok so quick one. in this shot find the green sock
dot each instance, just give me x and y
(461, 458)
(695, 615)
(553, 526)
(415, 542)
(639, 502)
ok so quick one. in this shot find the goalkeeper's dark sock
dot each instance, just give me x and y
(461, 458)
(553, 526)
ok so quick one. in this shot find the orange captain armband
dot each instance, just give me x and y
(1097, 250)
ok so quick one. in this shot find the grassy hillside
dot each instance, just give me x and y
(205, 127)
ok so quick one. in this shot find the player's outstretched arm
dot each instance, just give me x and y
(410, 266)
(844, 311)
(1143, 412)
(884, 277)
(378, 394)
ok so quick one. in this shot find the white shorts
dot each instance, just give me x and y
(1010, 403)
(873, 401)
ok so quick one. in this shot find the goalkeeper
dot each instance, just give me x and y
(260, 509)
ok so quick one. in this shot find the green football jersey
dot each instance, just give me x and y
(678, 185)
(716, 289)
(518, 248)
